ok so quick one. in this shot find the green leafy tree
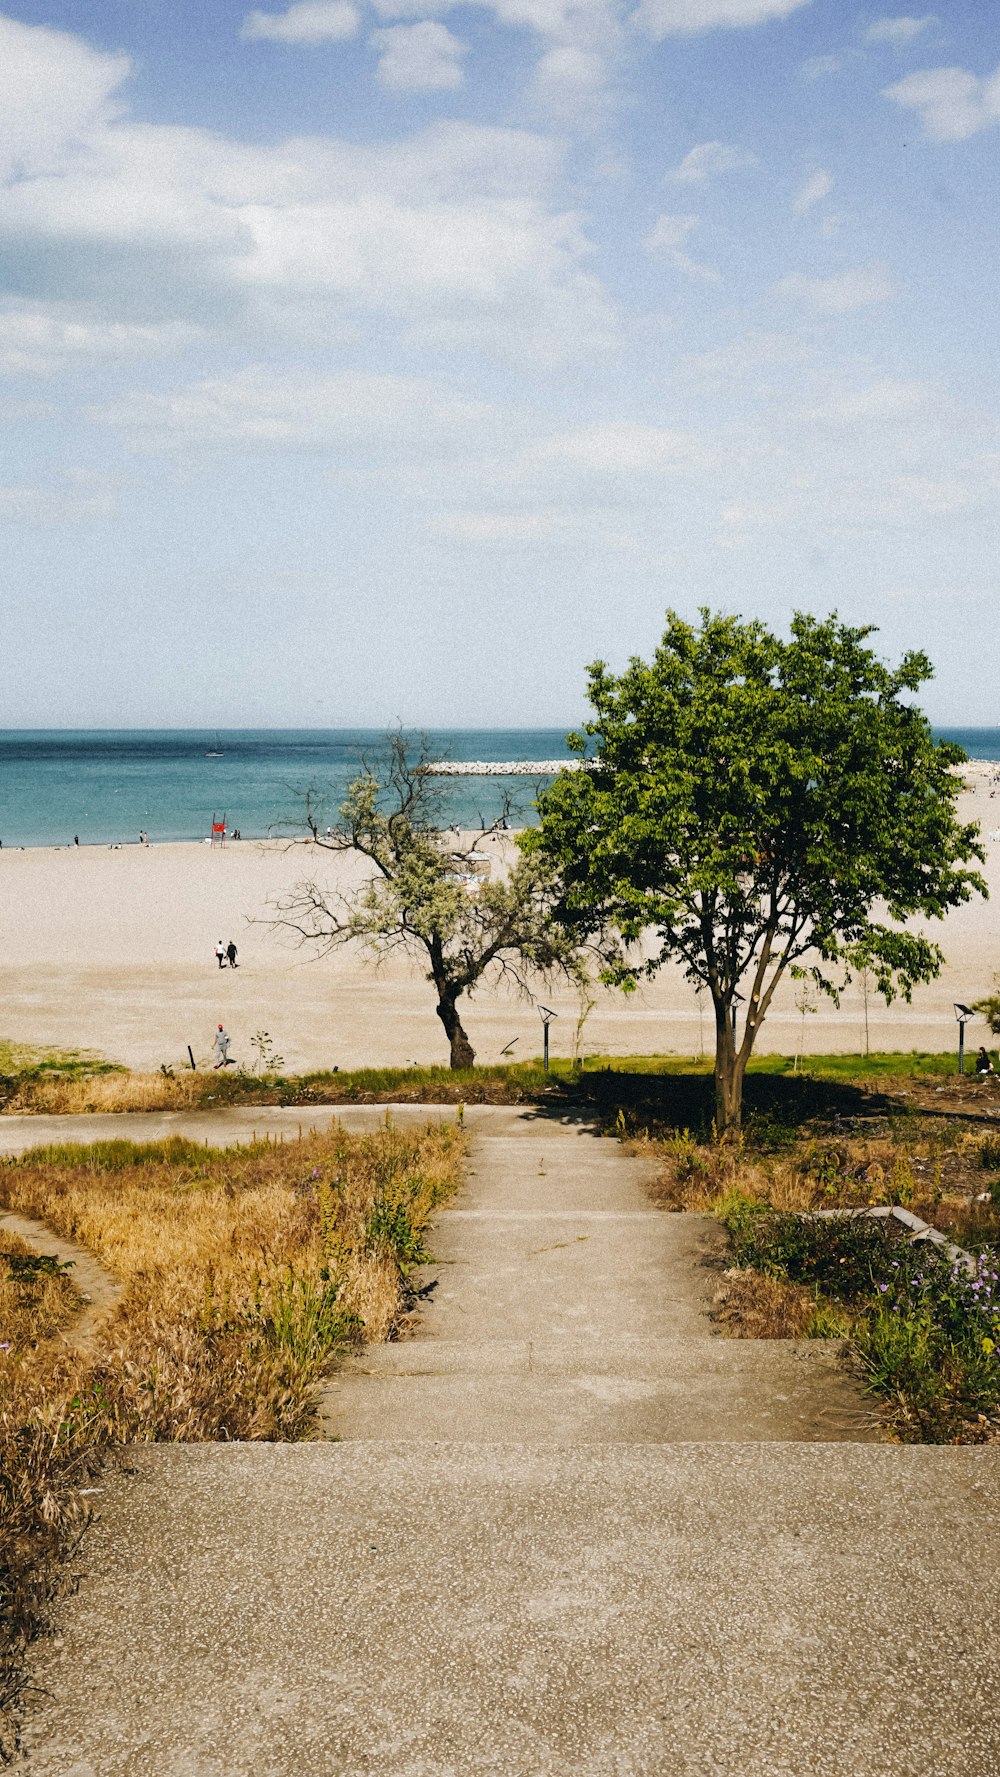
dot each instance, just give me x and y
(469, 918)
(989, 1008)
(757, 806)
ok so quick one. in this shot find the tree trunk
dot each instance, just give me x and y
(462, 1052)
(730, 1066)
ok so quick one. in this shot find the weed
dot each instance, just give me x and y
(268, 1060)
(828, 1320)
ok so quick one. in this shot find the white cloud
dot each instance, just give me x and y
(17, 413)
(79, 498)
(570, 82)
(934, 496)
(707, 160)
(665, 18)
(261, 409)
(841, 293)
(580, 38)
(623, 447)
(953, 103)
(54, 91)
(35, 342)
(739, 517)
(745, 356)
(898, 31)
(890, 399)
(309, 22)
(422, 58)
(502, 527)
(666, 241)
(815, 189)
(820, 67)
(454, 235)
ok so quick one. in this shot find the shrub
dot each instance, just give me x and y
(927, 1328)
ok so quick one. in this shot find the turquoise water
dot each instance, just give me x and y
(104, 785)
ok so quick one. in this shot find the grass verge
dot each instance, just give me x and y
(926, 1334)
(926, 1329)
(245, 1272)
(654, 1090)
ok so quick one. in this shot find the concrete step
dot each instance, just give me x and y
(638, 1391)
(682, 1360)
(378, 1610)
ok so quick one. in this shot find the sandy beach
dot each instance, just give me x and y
(112, 951)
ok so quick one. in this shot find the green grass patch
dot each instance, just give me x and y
(22, 1061)
(900, 1064)
(120, 1156)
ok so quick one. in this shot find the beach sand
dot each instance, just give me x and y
(112, 951)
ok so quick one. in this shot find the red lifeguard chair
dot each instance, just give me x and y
(218, 830)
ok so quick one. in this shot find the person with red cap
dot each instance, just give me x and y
(221, 1048)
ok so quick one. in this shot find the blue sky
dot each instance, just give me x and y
(365, 360)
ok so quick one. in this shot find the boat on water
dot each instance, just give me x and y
(218, 753)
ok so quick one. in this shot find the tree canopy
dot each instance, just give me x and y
(758, 805)
(469, 917)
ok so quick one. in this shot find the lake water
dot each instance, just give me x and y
(104, 785)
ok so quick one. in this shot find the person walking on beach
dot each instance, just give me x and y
(231, 953)
(220, 954)
(221, 1048)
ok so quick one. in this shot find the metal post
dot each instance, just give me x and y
(963, 1014)
(546, 1015)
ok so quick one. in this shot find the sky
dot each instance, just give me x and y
(366, 361)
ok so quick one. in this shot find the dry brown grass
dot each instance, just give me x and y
(751, 1306)
(36, 1301)
(244, 1272)
(237, 1263)
(41, 1509)
(110, 1092)
(811, 1174)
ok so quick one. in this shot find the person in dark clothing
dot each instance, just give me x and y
(231, 953)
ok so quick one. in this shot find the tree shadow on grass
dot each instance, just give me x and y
(776, 1108)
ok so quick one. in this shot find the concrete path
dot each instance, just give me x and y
(539, 1579)
(223, 1128)
(566, 1309)
(467, 1610)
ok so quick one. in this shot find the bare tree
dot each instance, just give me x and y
(429, 895)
